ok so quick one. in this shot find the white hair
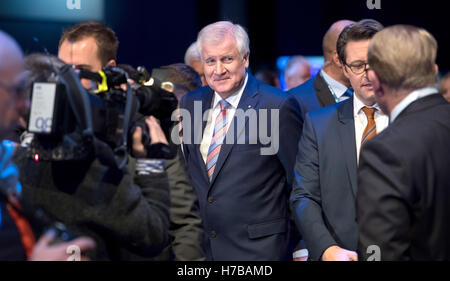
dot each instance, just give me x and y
(213, 34)
(192, 53)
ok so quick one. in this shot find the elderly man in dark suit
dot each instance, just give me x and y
(330, 85)
(323, 195)
(242, 181)
(404, 175)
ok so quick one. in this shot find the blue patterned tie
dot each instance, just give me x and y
(220, 129)
(348, 94)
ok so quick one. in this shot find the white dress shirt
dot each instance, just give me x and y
(337, 89)
(233, 100)
(381, 121)
(412, 97)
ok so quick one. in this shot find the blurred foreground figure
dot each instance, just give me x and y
(17, 241)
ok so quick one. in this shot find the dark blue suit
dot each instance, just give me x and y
(323, 195)
(312, 95)
(404, 185)
(245, 208)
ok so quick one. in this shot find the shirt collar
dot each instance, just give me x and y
(410, 98)
(358, 105)
(234, 98)
(337, 87)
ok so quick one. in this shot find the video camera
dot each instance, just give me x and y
(72, 123)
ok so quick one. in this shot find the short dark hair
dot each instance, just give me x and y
(104, 36)
(183, 75)
(359, 31)
(268, 77)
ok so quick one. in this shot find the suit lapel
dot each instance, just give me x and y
(324, 96)
(248, 100)
(346, 130)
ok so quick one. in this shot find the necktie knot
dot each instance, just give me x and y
(371, 128)
(224, 105)
(349, 92)
(369, 111)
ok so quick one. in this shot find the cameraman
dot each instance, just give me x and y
(91, 46)
(17, 241)
(107, 203)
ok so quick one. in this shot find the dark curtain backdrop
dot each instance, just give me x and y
(154, 33)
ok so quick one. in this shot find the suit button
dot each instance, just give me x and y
(213, 234)
(210, 199)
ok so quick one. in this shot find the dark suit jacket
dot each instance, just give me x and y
(114, 208)
(323, 194)
(245, 209)
(312, 95)
(185, 229)
(404, 185)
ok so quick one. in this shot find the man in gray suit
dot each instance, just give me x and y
(323, 196)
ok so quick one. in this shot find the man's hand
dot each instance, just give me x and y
(156, 135)
(336, 253)
(43, 251)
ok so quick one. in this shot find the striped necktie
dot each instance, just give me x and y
(220, 129)
(371, 128)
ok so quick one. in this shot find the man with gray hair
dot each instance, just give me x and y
(194, 60)
(242, 189)
(404, 172)
(297, 71)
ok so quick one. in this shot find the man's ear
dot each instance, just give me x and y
(336, 59)
(344, 70)
(436, 69)
(247, 60)
(373, 78)
(111, 63)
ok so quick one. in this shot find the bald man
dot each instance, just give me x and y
(330, 85)
(16, 238)
(11, 66)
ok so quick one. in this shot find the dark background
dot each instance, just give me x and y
(154, 33)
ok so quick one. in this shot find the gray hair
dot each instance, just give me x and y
(404, 57)
(291, 66)
(214, 34)
(192, 53)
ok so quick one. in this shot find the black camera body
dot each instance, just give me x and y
(71, 123)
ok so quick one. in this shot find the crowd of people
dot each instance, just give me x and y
(352, 164)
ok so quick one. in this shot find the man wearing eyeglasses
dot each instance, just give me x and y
(324, 191)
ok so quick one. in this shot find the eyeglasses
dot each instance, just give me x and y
(358, 67)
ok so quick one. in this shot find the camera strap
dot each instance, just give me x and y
(78, 100)
(121, 152)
